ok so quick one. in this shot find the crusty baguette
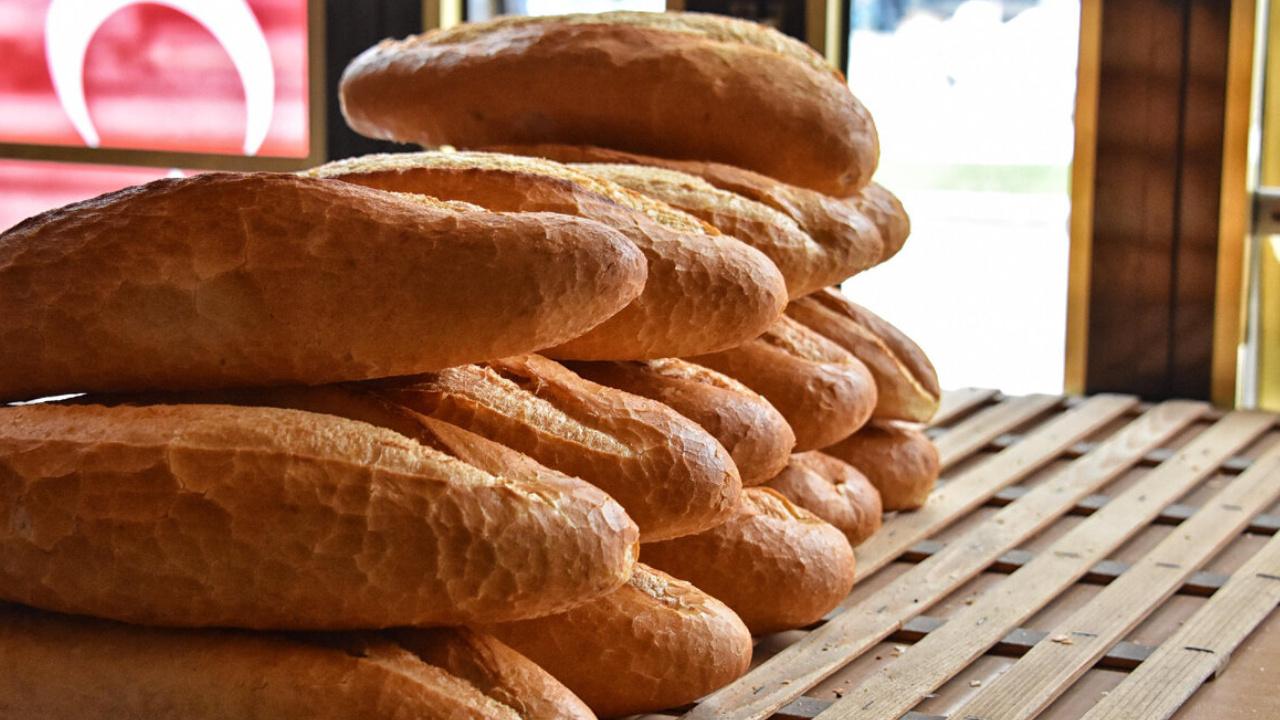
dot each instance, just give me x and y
(850, 240)
(833, 490)
(226, 280)
(898, 459)
(906, 383)
(680, 85)
(756, 435)
(805, 265)
(885, 210)
(496, 670)
(777, 566)
(824, 393)
(672, 477)
(61, 666)
(216, 515)
(655, 644)
(705, 291)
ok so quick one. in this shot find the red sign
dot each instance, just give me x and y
(204, 76)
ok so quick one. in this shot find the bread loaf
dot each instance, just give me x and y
(805, 265)
(655, 644)
(834, 491)
(262, 518)
(225, 280)
(756, 435)
(824, 393)
(777, 566)
(898, 459)
(60, 666)
(496, 670)
(678, 85)
(704, 292)
(849, 241)
(906, 383)
(885, 210)
(672, 477)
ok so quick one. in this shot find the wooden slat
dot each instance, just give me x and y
(1153, 458)
(1031, 684)
(973, 487)
(955, 403)
(1018, 642)
(823, 651)
(975, 432)
(1201, 647)
(1201, 583)
(1265, 524)
(943, 653)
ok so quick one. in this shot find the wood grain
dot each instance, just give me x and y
(1053, 664)
(943, 653)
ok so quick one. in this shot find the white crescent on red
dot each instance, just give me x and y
(71, 24)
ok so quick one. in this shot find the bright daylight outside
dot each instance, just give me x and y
(974, 104)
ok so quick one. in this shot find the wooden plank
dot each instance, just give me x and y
(1201, 647)
(973, 487)
(1264, 524)
(944, 652)
(955, 403)
(823, 651)
(1202, 583)
(975, 432)
(1018, 642)
(1153, 458)
(1075, 644)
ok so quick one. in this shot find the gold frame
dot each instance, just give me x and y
(1231, 292)
(317, 129)
(1082, 183)
(1266, 331)
(441, 14)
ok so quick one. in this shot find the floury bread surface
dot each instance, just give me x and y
(678, 85)
(672, 476)
(656, 643)
(834, 491)
(778, 566)
(854, 233)
(806, 264)
(906, 383)
(897, 458)
(214, 515)
(60, 666)
(753, 431)
(705, 291)
(823, 391)
(225, 280)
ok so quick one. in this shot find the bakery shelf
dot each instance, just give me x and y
(1092, 558)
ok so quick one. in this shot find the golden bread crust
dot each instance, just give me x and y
(824, 392)
(263, 518)
(672, 476)
(226, 280)
(618, 81)
(777, 566)
(834, 491)
(756, 435)
(704, 291)
(656, 643)
(898, 459)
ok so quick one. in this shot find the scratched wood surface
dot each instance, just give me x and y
(1082, 557)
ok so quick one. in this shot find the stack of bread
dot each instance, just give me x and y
(544, 427)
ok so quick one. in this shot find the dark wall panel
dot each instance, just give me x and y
(351, 26)
(1159, 156)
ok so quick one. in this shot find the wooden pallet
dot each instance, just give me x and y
(1082, 558)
